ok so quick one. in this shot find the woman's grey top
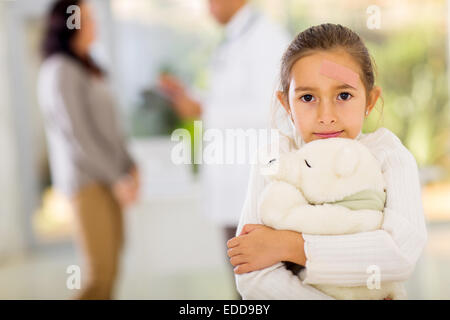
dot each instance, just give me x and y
(84, 138)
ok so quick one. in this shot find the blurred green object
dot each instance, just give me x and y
(189, 126)
(414, 79)
(154, 116)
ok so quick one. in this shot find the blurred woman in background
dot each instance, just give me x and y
(88, 157)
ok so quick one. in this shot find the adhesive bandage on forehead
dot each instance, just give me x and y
(339, 72)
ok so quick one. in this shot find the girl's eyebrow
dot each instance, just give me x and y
(304, 89)
(342, 86)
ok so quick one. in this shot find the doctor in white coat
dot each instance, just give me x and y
(244, 70)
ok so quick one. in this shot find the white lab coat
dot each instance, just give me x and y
(244, 73)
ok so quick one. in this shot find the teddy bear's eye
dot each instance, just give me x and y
(307, 164)
(273, 160)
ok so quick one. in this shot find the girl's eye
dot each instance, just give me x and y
(307, 98)
(344, 96)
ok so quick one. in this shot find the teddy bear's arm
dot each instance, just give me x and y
(283, 207)
(328, 219)
(277, 198)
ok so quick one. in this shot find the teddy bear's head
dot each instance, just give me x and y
(328, 170)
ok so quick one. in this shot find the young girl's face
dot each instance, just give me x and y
(322, 105)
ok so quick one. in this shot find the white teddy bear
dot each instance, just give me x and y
(328, 187)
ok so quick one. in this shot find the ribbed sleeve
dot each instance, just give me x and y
(395, 249)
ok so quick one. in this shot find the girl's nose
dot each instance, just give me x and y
(326, 113)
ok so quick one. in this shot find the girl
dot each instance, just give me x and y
(327, 89)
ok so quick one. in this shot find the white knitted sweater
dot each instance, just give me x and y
(344, 259)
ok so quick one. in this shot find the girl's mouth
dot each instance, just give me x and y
(328, 134)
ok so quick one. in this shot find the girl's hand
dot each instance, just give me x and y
(259, 247)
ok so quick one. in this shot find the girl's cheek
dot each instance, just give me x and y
(305, 127)
(354, 125)
(353, 111)
(303, 110)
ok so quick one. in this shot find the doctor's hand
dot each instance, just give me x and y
(185, 106)
(259, 247)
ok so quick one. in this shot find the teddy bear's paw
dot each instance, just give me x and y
(276, 200)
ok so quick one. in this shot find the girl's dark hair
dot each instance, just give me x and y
(58, 37)
(328, 36)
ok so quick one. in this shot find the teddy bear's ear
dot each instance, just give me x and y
(346, 161)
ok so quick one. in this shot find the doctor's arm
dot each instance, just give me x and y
(185, 105)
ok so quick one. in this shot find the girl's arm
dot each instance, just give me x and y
(393, 250)
(275, 281)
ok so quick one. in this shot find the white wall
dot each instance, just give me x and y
(10, 218)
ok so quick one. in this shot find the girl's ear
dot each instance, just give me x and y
(283, 100)
(373, 98)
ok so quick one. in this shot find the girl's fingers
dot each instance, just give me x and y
(242, 268)
(233, 242)
(238, 259)
(233, 252)
(249, 227)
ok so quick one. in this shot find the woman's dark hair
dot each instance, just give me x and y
(58, 37)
